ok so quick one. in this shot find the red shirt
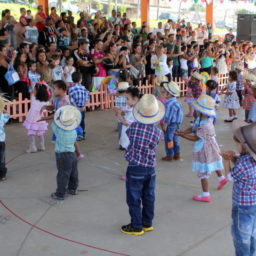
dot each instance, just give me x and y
(22, 24)
(40, 26)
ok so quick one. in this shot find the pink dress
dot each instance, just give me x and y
(101, 70)
(248, 98)
(33, 127)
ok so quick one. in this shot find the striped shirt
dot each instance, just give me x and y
(173, 112)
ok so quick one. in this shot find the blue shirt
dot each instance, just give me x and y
(120, 102)
(3, 120)
(78, 95)
(173, 112)
(65, 140)
(144, 139)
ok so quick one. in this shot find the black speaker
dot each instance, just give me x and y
(246, 27)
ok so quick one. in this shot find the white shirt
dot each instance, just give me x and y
(251, 62)
(161, 68)
(68, 74)
(156, 30)
(31, 34)
(183, 64)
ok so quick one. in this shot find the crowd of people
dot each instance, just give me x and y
(58, 62)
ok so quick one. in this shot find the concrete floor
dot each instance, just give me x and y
(183, 227)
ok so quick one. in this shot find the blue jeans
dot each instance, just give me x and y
(175, 71)
(244, 230)
(172, 145)
(82, 124)
(140, 190)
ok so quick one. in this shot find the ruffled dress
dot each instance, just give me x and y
(206, 151)
(31, 123)
(231, 101)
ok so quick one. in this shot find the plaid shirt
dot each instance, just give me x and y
(120, 102)
(240, 82)
(65, 140)
(78, 95)
(244, 175)
(143, 142)
(196, 89)
(173, 112)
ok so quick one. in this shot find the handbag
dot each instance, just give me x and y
(11, 75)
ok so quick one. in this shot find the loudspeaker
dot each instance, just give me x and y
(246, 27)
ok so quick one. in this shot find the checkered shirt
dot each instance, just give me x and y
(173, 112)
(78, 95)
(120, 102)
(244, 175)
(144, 139)
(240, 82)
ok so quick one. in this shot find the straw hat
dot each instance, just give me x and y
(67, 117)
(123, 86)
(3, 102)
(197, 76)
(148, 110)
(239, 67)
(246, 134)
(205, 104)
(172, 88)
(160, 79)
(250, 77)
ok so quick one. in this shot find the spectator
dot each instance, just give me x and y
(40, 20)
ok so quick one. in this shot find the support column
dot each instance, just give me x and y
(209, 13)
(144, 7)
(45, 5)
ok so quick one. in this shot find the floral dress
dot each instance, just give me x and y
(206, 152)
(231, 101)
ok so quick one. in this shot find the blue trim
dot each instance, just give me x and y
(148, 116)
(202, 106)
(200, 110)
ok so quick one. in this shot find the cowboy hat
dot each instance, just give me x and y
(160, 79)
(246, 134)
(197, 76)
(123, 86)
(205, 104)
(148, 110)
(239, 67)
(172, 88)
(67, 117)
(250, 77)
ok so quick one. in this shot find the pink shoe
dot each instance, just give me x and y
(123, 177)
(81, 156)
(201, 198)
(222, 183)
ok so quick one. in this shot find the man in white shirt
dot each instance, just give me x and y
(159, 28)
(114, 19)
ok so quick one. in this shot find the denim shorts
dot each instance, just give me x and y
(184, 73)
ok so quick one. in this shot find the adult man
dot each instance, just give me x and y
(40, 19)
(159, 28)
(229, 37)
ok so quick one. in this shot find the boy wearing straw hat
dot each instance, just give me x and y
(144, 137)
(66, 120)
(4, 117)
(244, 189)
(172, 120)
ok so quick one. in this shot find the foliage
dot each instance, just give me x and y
(243, 11)
(15, 9)
(198, 7)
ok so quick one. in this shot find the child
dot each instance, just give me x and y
(126, 117)
(78, 96)
(214, 74)
(248, 94)
(240, 83)
(144, 137)
(29, 15)
(244, 189)
(33, 76)
(172, 120)
(63, 38)
(57, 70)
(69, 69)
(4, 117)
(252, 114)
(159, 79)
(66, 120)
(231, 100)
(120, 103)
(206, 152)
(211, 90)
(32, 124)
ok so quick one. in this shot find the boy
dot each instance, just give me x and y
(33, 75)
(57, 70)
(4, 117)
(120, 102)
(78, 96)
(172, 120)
(66, 120)
(144, 137)
(239, 83)
(244, 189)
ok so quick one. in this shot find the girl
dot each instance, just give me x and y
(206, 152)
(35, 128)
(69, 69)
(248, 94)
(231, 100)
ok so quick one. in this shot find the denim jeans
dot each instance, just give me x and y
(67, 176)
(140, 191)
(82, 124)
(172, 145)
(175, 71)
(3, 169)
(244, 230)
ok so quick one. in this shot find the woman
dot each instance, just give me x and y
(138, 61)
(112, 58)
(20, 59)
(8, 23)
(250, 58)
(207, 59)
(43, 67)
(54, 16)
(98, 56)
(32, 52)
(150, 73)
(221, 62)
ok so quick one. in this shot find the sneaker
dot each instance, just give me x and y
(201, 198)
(123, 177)
(167, 158)
(3, 179)
(55, 197)
(222, 183)
(148, 229)
(32, 149)
(80, 138)
(41, 147)
(130, 230)
(81, 156)
(73, 192)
